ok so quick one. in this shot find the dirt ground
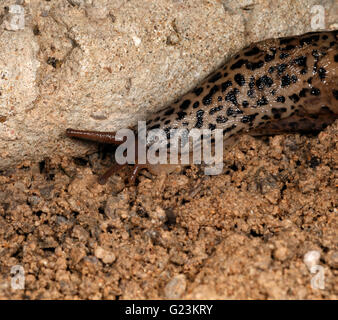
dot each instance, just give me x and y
(239, 235)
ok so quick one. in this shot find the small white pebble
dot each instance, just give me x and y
(175, 287)
(311, 258)
(104, 255)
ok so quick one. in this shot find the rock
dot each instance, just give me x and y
(105, 64)
(281, 253)
(104, 255)
(175, 287)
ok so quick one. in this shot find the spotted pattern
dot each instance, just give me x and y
(287, 84)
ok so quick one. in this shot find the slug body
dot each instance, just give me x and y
(272, 86)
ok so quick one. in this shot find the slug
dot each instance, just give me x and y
(288, 84)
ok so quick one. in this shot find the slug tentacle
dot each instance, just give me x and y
(97, 136)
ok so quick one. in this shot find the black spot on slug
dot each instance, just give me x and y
(308, 40)
(288, 47)
(294, 98)
(251, 93)
(280, 99)
(214, 110)
(281, 68)
(283, 55)
(315, 92)
(232, 127)
(300, 61)
(239, 78)
(326, 109)
(167, 132)
(315, 54)
(285, 81)
(294, 78)
(263, 82)
(277, 116)
(249, 118)
(254, 65)
(252, 82)
(269, 57)
(252, 52)
(233, 111)
(302, 93)
(215, 77)
(277, 112)
(169, 112)
(208, 98)
(245, 104)
(221, 119)
(285, 40)
(322, 73)
(238, 64)
(199, 119)
(185, 104)
(262, 102)
(196, 104)
(231, 96)
(225, 85)
(181, 115)
(198, 91)
(212, 126)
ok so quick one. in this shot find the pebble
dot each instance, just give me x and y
(175, 287)
(104, 255)
(281, 253)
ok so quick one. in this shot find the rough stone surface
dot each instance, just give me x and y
(105, 64)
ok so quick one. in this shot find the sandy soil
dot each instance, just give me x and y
(239, 235)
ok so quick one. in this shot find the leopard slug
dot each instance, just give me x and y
(272, 86)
